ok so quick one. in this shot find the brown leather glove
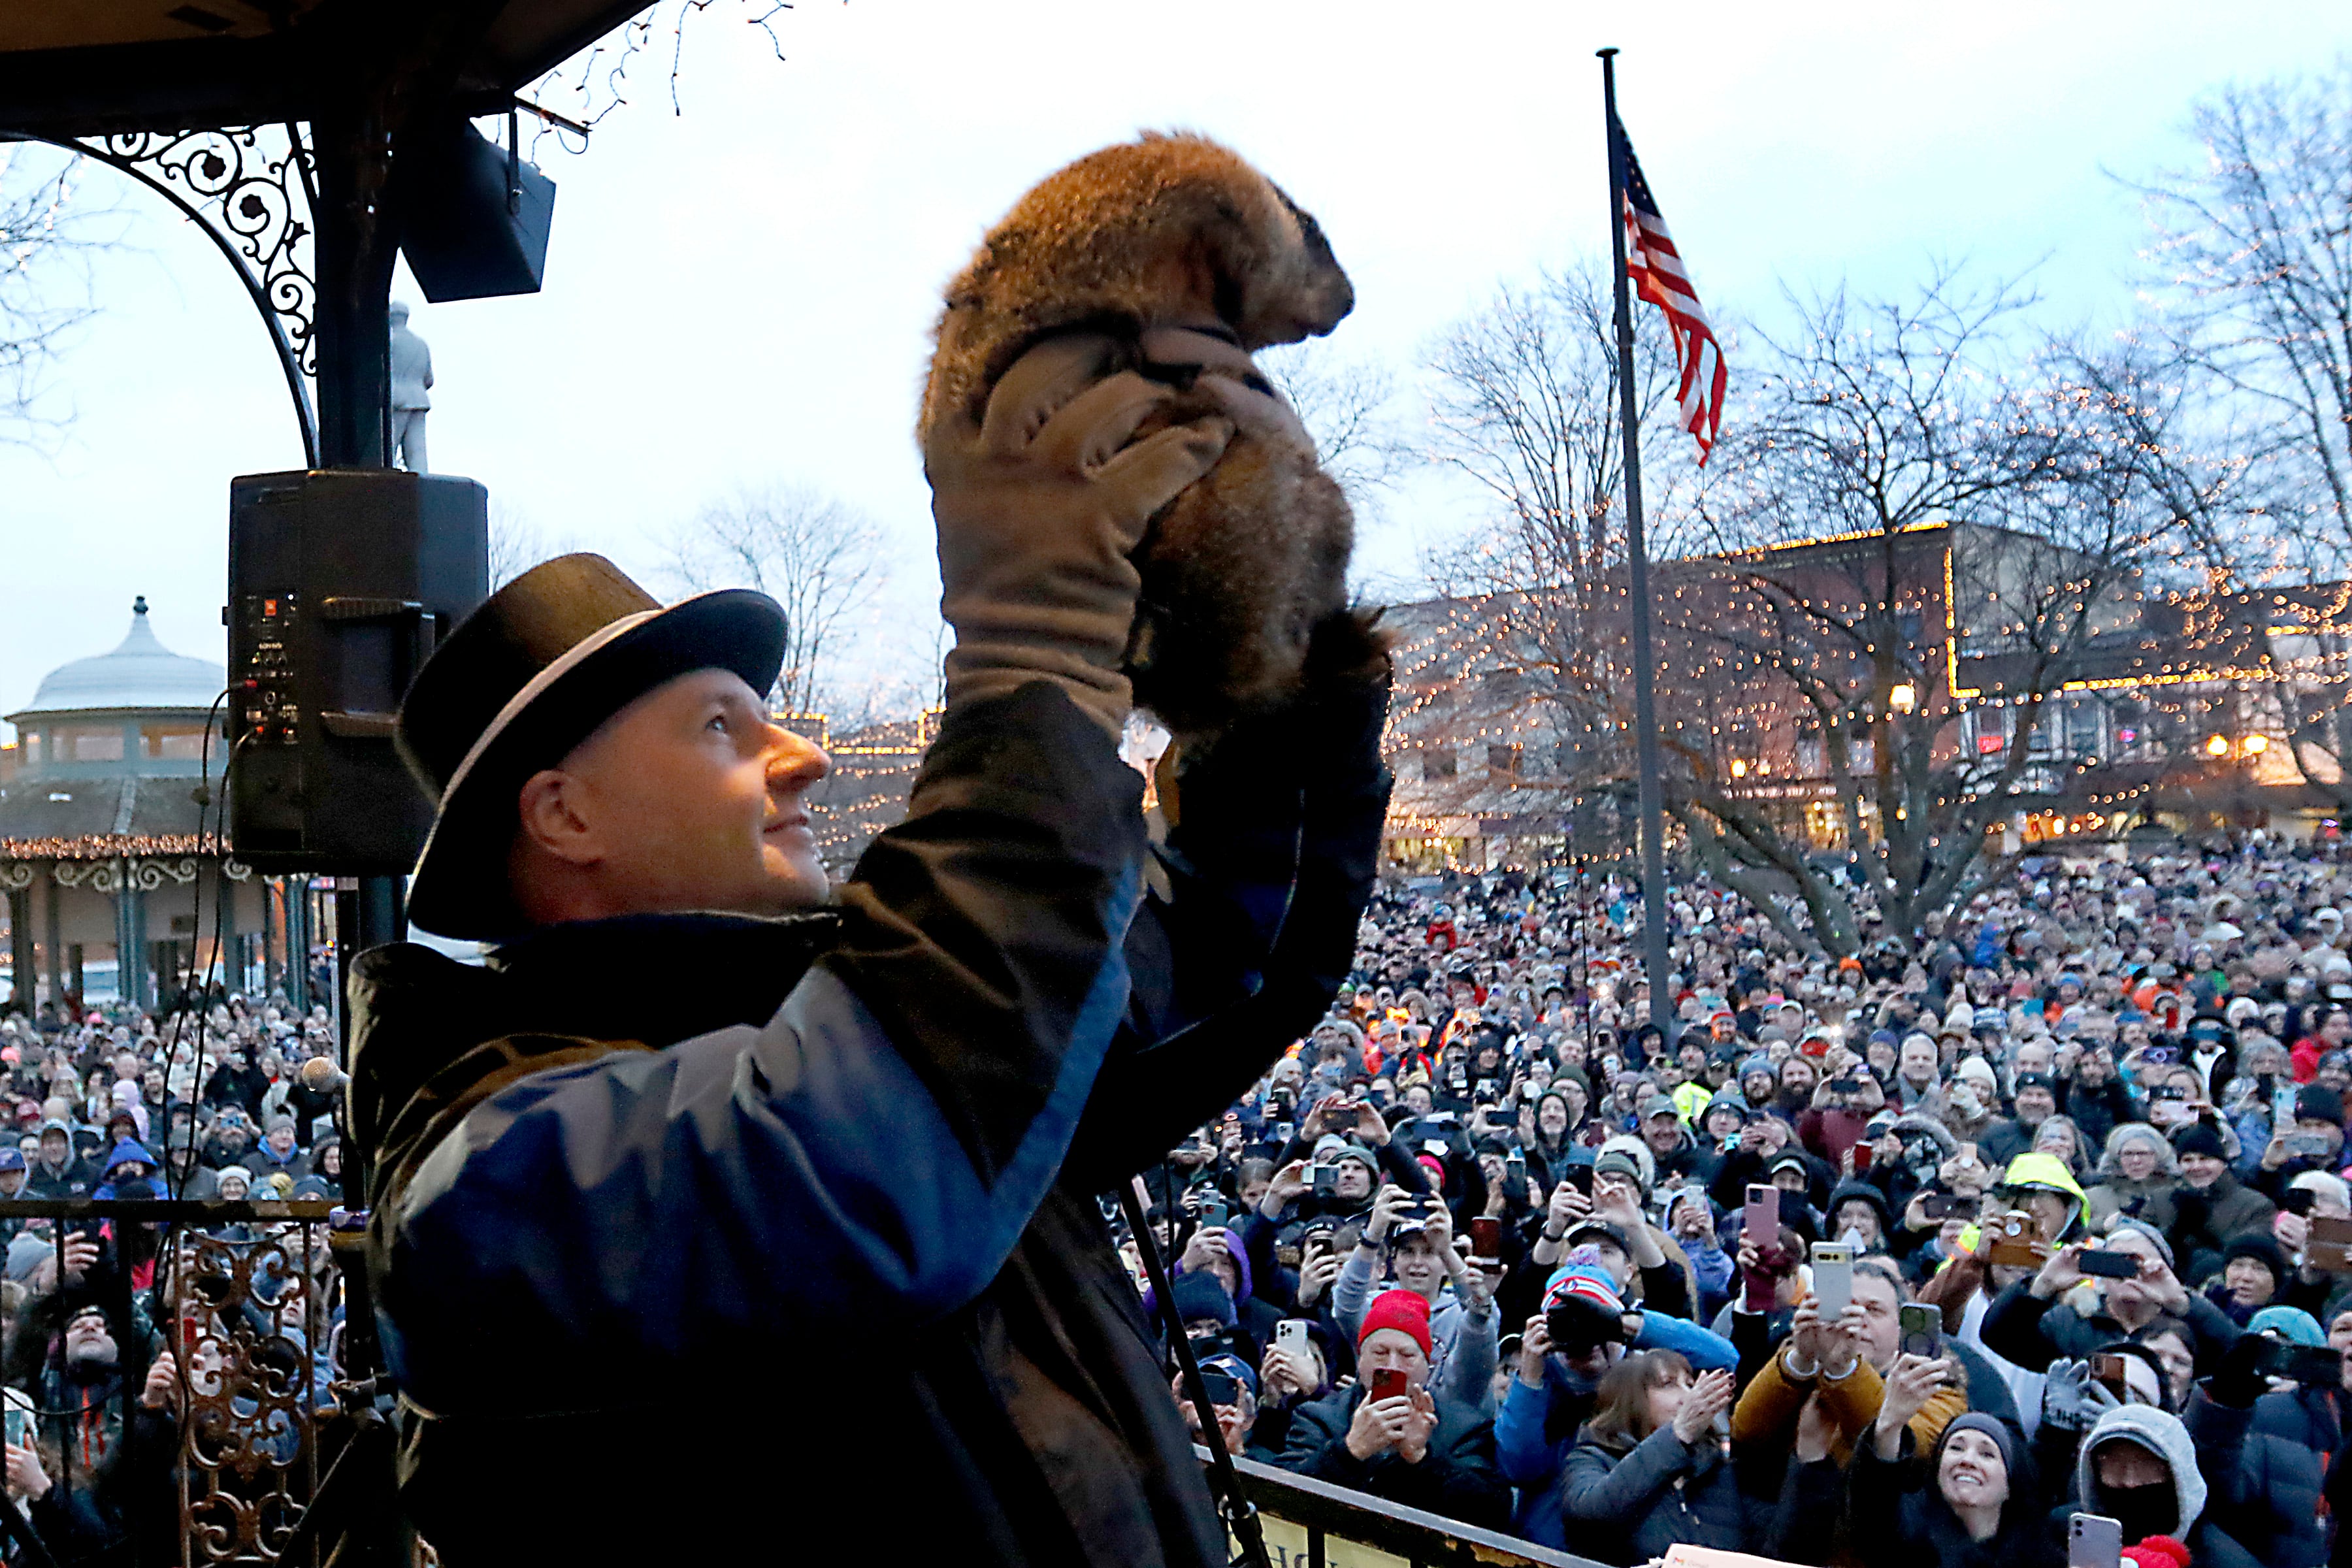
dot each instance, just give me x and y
(1038, 509)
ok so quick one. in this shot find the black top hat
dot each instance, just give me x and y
(525, 679)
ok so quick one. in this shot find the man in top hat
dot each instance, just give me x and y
(823, 1170)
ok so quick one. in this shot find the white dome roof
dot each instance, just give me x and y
(140, 673)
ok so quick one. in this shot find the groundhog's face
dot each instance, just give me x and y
(1298, 291)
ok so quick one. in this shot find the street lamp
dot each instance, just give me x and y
(1738, 767)
(2217, 746)
(2254, 745)
(1904, 696)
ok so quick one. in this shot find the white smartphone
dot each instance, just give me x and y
(1290, 1337)
(2094, 1541)
(1833, 1279)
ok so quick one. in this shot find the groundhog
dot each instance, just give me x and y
(1246, 567)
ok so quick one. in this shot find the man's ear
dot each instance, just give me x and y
(553, 808)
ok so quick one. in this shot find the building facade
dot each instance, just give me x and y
(112, 852)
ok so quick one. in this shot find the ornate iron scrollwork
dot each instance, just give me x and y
(258, 195)
(251, 1320)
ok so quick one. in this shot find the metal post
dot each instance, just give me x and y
(1637, 559)
(50, 894)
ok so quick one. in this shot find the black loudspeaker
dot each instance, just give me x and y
(341, 581)
(474, 217)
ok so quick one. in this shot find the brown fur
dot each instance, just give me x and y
(1240, 569)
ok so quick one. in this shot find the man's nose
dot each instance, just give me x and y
(795, 762)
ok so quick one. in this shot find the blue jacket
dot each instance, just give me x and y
(1535, 1429)
(831, 1180)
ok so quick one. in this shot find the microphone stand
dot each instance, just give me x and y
(1240, 1512)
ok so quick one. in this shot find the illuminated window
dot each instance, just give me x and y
(89, 742)
(176, 743)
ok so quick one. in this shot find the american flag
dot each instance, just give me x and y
(1655, 268)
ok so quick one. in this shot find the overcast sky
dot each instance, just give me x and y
(741, 293)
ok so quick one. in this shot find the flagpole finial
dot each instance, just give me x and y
(1607, 53)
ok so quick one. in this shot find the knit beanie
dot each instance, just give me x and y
(1992, 1426)
(2122, 1223)
(1583, 1279)
(2292, 1324)
(2200, 1138)
(1403, 1310)
(1202, 1296)
(2258, 1246)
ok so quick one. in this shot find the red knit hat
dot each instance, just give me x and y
(1402, 1311)
(2157, 1551)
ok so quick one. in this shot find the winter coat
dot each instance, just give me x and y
(1462, 1338)
(1895, 1516)
(2098, 1111)
(1455, 1479)
(1634, 1500)
(657, 1154)
(2028, 1331)
(2120, 1194)
(1534, 1431)
(2210, 1542)
(2199, 1225)
(2265, 1491)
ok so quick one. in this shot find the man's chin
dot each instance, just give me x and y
(795, 882)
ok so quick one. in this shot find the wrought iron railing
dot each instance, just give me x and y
(1314, 1524)
(245, 1297)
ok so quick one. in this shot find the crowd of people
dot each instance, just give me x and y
(115, 1103)
(1924, 1253)
(2041, 1214)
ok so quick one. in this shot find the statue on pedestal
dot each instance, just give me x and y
(412, 375)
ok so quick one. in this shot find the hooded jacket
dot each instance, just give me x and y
(2164, 1436)
(880, 1126)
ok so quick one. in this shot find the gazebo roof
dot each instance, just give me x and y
(140, 673)
(97, 67)
(99, 820)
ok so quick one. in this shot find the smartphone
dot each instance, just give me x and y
(1486, 1235)
(1515, 1171)
(2103, 1265)
(1283, 1132)
(2111, 1371)
(2094, 1541)
(1213, 1212)
(1388, 1382)
(2013, 1236)
(1290, 1338)
(1833, 1279)
(2299, 1201)
(1845, 1086)
(1222, 1386)
(2316, 1366)
(2328, 1245)
(1922, 1329)
(2310, 1145)
(20, 1425)
(1324, 1180)
(1862, 1152)
(1579, 1177)
(1942, 1206)
(1761, 1223)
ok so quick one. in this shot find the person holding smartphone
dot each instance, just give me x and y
(1392, 1435)
(1973, 1504)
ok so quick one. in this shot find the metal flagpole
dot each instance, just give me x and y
(1637, 559)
